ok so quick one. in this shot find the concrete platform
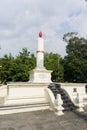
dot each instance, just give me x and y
(44, 120)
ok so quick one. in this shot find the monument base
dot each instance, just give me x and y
(40, 76)
(18, 97)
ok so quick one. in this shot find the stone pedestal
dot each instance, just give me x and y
(40, 76)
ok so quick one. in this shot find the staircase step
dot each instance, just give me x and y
(10, 109)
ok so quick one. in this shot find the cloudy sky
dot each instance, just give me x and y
(21, 21)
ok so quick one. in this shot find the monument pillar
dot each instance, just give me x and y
(40, 74)
(40, 52)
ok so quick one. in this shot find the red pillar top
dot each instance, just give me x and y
(40, 34)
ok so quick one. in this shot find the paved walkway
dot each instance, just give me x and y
(43, 120)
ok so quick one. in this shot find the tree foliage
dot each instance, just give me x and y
(75, 63)
(16, 69)
(53, 62)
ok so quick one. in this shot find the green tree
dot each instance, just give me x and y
(5, 64)
(53, 62)
(26, 58)
(17, 69)
(23, 56)
(75, 63)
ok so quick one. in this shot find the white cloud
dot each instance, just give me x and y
(21, 21)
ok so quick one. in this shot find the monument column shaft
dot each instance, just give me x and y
(40, 53)
(40, 74)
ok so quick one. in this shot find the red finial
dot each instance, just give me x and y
(40, 34)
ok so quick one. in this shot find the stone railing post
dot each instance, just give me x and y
(58, 105)
(80, 102)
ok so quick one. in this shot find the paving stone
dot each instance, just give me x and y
(44, 120)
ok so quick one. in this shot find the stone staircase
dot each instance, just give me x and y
(67, 103)
(10, 109)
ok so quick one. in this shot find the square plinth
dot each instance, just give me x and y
(40, 76)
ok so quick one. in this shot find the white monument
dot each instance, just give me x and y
(35, 95)
(40, 74)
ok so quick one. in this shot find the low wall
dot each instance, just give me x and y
(3, 94)
(3, 90)
(18, 93)
(22, 93)
(73, 89)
